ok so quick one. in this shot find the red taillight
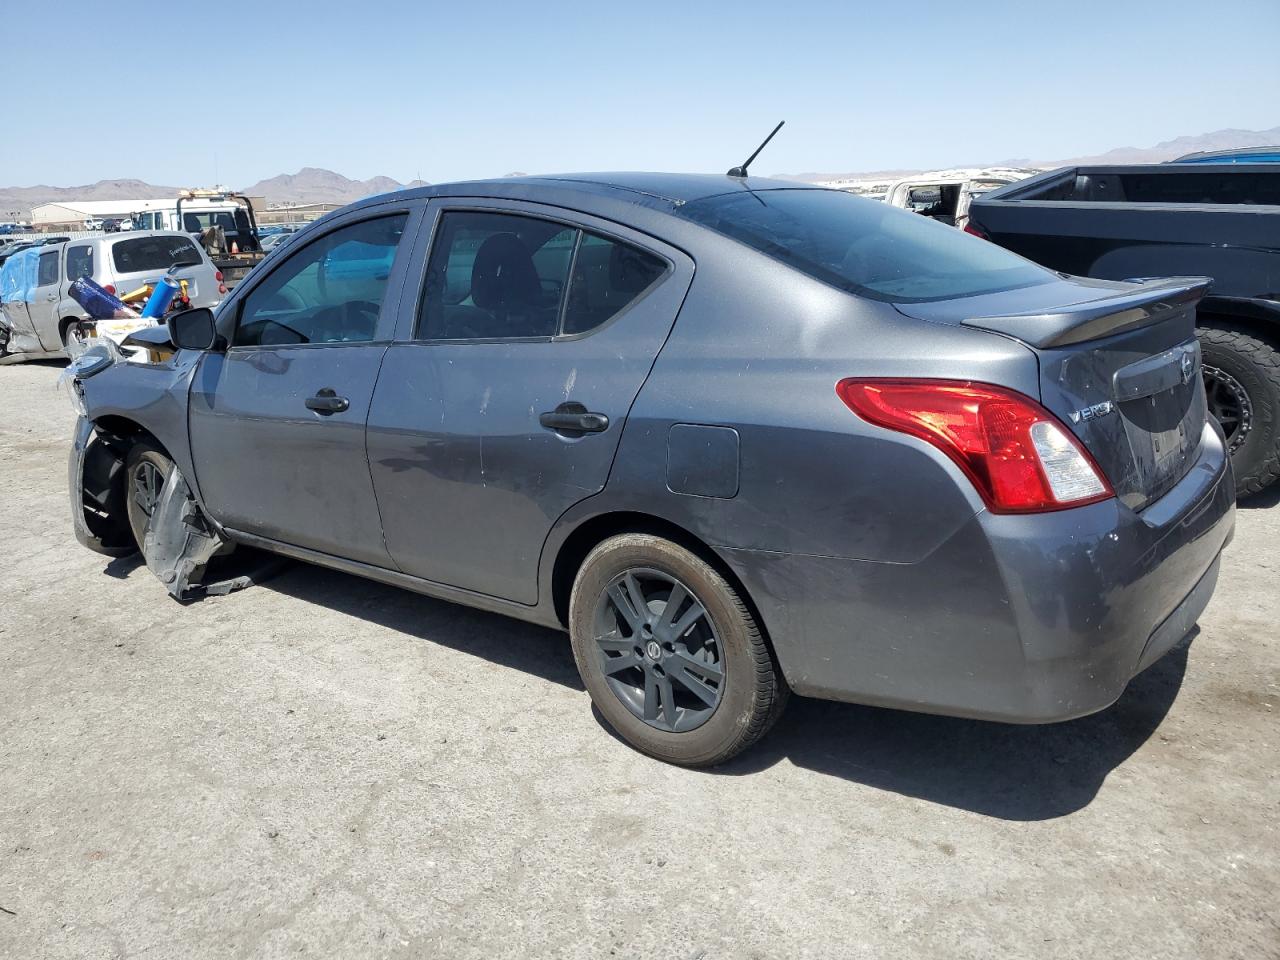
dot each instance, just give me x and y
(110, 288)
(975, 230)
(217, 275)
(1018, 455)
(222, 288)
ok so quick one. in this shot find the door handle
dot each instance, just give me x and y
(327, 401)
(52, 297)
(574, 419)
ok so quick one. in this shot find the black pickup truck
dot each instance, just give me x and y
(1211, 220)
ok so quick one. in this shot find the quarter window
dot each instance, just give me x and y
(79, 262)
(607, 276)
(330, 291)
(498, 276)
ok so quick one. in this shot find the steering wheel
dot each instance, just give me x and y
(338, 323)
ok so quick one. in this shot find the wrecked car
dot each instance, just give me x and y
(739, 437)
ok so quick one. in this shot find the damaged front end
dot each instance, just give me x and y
(178, 541)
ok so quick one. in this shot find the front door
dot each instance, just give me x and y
(278, 419)
(532, 339)
(43, 306)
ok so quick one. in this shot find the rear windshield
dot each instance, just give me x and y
(865, 247)
(142, 254)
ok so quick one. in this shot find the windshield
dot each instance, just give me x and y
(864, 247)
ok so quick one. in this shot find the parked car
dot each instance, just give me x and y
(41, 319)
(738, 436)
(26, 244)
(271, 241)
(1214, 220)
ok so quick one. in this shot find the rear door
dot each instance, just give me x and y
(277, 421)
(502, 405)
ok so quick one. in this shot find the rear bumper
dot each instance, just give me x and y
(1026, 619)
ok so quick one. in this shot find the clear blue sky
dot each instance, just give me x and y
(471, 89)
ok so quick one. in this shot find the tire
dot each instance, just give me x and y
(667, 700)
(144, 457)
(1243, 370)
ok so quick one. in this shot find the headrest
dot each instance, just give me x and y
(630, 271)
(503, 274)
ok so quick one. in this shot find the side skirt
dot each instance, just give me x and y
(394, 578)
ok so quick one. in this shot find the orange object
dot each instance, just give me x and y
(235, 247)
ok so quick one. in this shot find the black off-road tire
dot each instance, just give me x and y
(754, 691)
(142, 455)
(1254, 364)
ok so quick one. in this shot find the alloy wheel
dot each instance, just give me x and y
(1229, 404)
(658, 650)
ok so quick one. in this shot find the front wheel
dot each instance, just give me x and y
(1242, 386)
(146, 470)
(672, 657)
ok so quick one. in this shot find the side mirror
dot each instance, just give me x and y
(193, 329)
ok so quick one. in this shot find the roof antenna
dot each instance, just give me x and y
(742, 170)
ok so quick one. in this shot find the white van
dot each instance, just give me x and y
(40, 317)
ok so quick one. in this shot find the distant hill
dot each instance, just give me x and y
(1168, 150)
(16, 202)
(316, 185)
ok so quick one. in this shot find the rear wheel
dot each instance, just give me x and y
(146, 469)
(1242, 386)
(670, 653)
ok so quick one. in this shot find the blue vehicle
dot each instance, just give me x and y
(1238, 155)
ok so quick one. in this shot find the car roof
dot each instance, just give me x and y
(658, 190)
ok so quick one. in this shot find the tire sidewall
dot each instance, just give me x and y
(1264, 398)
(734, 713)
(143, 450)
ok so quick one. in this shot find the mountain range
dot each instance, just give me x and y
(316, 185)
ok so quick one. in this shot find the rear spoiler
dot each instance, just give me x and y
(1092, 319)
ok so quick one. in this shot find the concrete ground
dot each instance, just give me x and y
(321, 766)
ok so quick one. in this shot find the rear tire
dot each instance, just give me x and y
(1242, 380)
(147, 467)
(686, 687)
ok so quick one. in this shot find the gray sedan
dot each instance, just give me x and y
(738, 437)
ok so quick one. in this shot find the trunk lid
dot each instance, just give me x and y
(1119, 364)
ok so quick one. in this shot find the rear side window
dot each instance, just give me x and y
(864, 247)
(48, 271)
(79, 262)
(145, 254)
(498, 276)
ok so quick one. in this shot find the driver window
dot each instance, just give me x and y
(330, 291)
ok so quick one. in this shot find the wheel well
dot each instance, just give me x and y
(1264, 328)
(66, 322)
(122, 428)
(598, 529)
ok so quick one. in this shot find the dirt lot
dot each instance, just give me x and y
(321, 766)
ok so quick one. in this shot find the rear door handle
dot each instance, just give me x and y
(327, 401)
(574, 419)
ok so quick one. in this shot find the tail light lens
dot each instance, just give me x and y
(217, 275)
(975, 230)
(1018, 455)
(110, 288)
(222, 288)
